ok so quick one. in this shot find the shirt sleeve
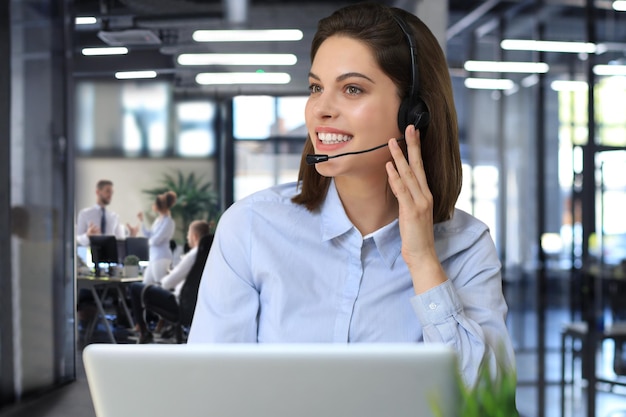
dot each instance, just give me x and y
(228, 303)
(468, 312)
(146, 231)
(162, 231)
(119, 230)
(180, 272)
(81, 228)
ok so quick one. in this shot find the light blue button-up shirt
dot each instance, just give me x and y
(280, 273)
(159, 236)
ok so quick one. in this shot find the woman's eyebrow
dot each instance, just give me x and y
(354, 74)
(346, 76)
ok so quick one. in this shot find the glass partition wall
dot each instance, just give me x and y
(544, 162)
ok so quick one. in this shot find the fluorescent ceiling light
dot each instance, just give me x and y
(85, 20)
(116, 50)
(566, 85)
(237, 59)
(609, 69)
(507, 66)
(547, 46)
(489, 83)
(619, 5)
(128, 75)
(210, 78)
(247, 35)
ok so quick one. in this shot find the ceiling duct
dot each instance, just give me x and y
(236, 11)
(129, 37)
(171, 7)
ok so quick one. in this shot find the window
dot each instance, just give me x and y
(269, 135)
(141, 119)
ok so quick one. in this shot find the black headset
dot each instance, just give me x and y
(412, 110)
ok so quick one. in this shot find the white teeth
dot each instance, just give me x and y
(330, 138)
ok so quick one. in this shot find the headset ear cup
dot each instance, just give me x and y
(403, 114)
(415, 114)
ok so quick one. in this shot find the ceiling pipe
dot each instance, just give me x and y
(236, 11)
(471, 18)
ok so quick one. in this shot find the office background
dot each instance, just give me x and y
(66, 124)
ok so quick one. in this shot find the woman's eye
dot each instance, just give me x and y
(314, 88)
(353, 90)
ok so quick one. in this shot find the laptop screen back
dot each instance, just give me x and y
(248, 380)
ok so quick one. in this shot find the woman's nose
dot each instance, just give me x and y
(324, 106)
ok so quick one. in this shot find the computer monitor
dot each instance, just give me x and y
(137, 246)
(103, 250)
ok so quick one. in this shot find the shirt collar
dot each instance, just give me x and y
(335, 222)
(388, 242)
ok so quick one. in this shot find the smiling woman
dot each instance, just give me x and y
(381, 253)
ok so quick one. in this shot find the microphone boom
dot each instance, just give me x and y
(312, 159)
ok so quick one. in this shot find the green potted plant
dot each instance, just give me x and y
(131, 266)
(196, 199)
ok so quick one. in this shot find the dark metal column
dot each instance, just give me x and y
(6, 289)
(541, 286)
(589, 206)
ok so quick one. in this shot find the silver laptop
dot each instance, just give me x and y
(272, 380)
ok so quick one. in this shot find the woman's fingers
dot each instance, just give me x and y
(408, 176)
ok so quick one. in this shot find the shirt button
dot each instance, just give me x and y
(432, 306)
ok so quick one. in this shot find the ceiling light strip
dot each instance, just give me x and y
(213, 78)
(507, 66)
(619, 5)
(609, 70)
(116, 50)
(131, 75)
(489, 83)
(237, 59)
(547, 46)
(85, 20)
(247, 35)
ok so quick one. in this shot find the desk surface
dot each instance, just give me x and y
(107, 279)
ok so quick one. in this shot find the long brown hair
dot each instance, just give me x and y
(375, 26)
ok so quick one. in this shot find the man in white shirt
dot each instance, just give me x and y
(97, 220)
(166, 292)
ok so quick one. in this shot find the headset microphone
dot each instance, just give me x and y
(312, 159)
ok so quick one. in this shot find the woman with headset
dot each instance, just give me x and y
(367, 246)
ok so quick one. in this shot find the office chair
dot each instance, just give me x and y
(180, 313)
(577, 334)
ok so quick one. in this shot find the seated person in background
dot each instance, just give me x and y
(171, 283)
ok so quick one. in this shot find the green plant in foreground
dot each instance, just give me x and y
(488, 397)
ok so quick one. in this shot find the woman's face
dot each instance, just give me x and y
(191, 238)
(353, 105)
